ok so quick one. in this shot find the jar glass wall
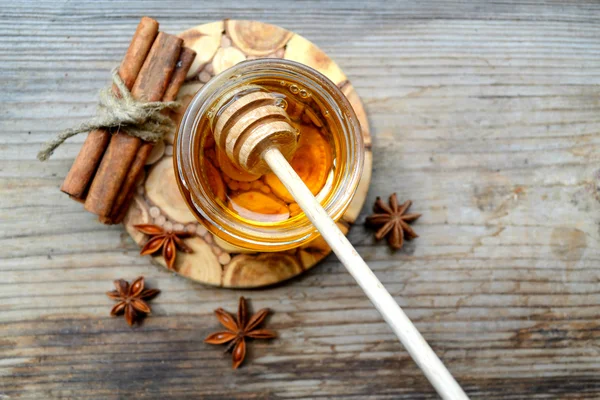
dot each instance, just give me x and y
(301, 88)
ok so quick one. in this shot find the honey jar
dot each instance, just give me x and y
(255, 212)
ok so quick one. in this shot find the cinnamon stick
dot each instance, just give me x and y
(150, 85)
(84, 167)
(186, 58)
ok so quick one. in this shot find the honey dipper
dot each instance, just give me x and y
(256, 135)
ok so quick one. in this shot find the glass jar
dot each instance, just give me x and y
(310, 88)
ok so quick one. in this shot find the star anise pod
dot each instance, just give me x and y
(239, 329)
(131, 299)
(168, 241)
(392, 221)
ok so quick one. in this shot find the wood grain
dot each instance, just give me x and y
(484, 114)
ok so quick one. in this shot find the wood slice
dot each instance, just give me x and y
(262, 269)
(202, 265)
(221, 45)
(137, 214)
(185, 96)
(205, 40)
(161, 189)
(301, 50)
(225, 58)
(256, 38)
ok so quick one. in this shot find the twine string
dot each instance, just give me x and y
(143, 120)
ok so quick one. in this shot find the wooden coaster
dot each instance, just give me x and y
(220, 45)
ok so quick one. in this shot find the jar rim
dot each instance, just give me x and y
(257, 235)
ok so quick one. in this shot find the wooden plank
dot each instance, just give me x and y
(484, 114)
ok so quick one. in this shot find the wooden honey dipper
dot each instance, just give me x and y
(256, 134)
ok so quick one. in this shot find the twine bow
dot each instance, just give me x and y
(142, 120)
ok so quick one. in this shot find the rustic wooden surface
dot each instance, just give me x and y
(484, 114)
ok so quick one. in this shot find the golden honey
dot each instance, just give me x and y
(263, 198)
(256, 212)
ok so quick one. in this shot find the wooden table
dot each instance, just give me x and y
(485, 115)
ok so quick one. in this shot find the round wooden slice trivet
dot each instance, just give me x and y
(220, 45)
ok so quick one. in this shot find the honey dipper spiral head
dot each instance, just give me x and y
(247, 122)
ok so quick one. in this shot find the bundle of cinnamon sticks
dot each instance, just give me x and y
(109, 164)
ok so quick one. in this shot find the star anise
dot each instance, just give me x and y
(239, 329)
(131, 299)
(168, 241)
(392, 221)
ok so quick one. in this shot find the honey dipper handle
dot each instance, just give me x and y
(410, 337)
